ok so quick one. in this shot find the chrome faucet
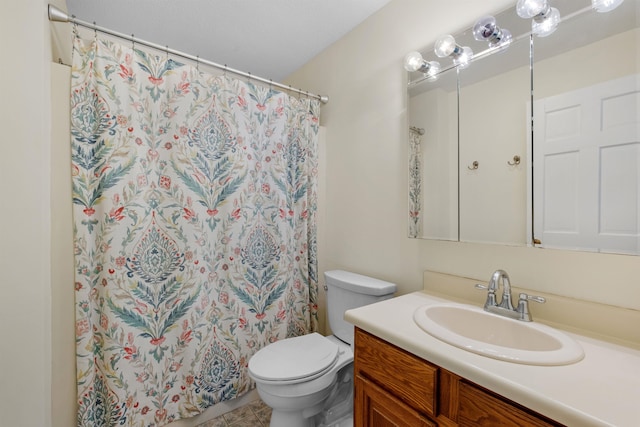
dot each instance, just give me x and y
(505, 307)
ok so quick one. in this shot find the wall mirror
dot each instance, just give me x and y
(541, 143)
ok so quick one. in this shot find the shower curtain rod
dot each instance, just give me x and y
(57, 15)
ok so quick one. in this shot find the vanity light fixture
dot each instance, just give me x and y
(545, 18)
(486, 28)
(446, 46)
(605, 5)
(413, 61)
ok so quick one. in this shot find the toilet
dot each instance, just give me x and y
(308, 380)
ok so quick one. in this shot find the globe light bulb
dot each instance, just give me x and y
(505, 39)
(413, 61)
(432, 72)
(445, 46)
(486, 28)
(530, 8)
(605, 5)
(547, 25)
(463, 59)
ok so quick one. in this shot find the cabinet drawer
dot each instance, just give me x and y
(406, 376)
(479, 407)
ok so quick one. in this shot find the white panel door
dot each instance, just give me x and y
(587, 168)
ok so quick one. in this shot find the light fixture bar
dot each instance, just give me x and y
(490, 51)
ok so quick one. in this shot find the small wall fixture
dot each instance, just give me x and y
(413, 61)
(605, 5)
(446, 46)
(545, 19)
(486, 28)
(515, 162)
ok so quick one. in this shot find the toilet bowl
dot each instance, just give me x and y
(296, 376)
(308, 380)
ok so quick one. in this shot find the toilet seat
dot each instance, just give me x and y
(294, 360)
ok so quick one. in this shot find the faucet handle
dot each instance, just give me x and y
(523, 305)
(535, 298)
(491, 295)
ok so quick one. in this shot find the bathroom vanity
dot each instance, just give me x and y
(395, 388)
(406, 377)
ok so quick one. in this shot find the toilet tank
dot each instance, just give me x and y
(346, 290)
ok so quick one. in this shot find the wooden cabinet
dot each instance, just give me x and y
(394, 388)
(382, 409)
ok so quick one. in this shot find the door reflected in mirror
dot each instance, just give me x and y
(586, 136)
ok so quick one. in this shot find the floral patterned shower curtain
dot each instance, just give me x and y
(415, 183)
(195, 242)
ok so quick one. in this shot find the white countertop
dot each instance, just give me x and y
(603, 389)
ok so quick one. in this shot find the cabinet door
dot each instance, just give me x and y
(375, 407)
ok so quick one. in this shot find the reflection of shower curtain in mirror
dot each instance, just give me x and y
(195, 242)
(415, 183)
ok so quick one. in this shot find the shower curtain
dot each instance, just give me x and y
(194, 225)
(415, 183)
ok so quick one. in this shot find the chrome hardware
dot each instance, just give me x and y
(515, 162)
(505, 307)
(473, 166)
(523, 305)
(491, 296)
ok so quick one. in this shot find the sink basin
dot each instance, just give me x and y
(473, 329)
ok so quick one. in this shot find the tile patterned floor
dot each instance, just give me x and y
(254, 414)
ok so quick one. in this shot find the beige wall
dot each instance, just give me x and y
(63, 375)
(493, 198)
(37, 378)
(25, 254)
(366, 118)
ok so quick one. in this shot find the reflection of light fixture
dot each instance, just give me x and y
(446, 46)
(413, 61)
(605, 5)
(545, 18)
(487, 29)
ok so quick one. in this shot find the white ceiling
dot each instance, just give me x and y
(268, 38)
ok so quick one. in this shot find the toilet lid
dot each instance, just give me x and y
(294, 358)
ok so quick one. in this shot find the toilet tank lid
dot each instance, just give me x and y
(358, 283)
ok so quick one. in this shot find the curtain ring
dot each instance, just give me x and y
(95, 32)
(166, 51)
(133, 41)
(224, 73)
(473, 166)
(515, 162)
(198, 63)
